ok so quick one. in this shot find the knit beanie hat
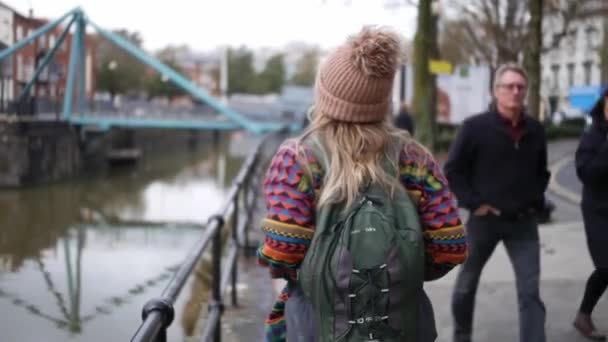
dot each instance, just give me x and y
(355, 82)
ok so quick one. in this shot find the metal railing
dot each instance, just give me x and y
(158, 313)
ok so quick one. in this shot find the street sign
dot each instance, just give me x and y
(439, 67)
(583, 97)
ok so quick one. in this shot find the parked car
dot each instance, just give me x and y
(567, 114)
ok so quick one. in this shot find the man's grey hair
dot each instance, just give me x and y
(506, 68)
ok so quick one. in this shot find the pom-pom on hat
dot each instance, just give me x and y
(355, 82)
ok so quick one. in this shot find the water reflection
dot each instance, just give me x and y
(92, 273)
(66, 272)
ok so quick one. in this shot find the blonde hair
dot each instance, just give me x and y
(354, 154)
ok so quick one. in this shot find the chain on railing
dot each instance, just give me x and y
(158, 313)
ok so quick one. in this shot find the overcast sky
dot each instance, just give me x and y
(206, 24)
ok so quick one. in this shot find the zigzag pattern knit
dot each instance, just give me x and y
(289, 225)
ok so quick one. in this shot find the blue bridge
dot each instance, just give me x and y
(74, 109)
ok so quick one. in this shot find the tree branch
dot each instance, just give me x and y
(567, 14)
(481, 47)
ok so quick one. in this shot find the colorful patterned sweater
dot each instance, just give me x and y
(289, 225)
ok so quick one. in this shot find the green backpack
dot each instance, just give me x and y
(364, 270)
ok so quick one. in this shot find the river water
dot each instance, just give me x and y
(67, 274)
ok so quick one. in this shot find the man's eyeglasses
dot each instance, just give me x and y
(513, 86)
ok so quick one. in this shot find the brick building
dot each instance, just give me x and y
(6, 40)
(51, 83)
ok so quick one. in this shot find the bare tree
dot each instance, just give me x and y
(564, 13)
(497, 31)
(454, 43)
(494, 32)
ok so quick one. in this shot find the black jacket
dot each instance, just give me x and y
(592, 169)
(592, 165)
(486, 166)
(404, 121)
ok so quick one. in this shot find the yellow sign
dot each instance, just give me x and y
(439, 67)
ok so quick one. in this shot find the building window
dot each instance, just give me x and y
(555, 38)
(587, 67)
(41, 43)
(570, 67)
(572, 38)
(19, 33)
(555, 71)
(590, 34)
(20, 75)
(51, 41)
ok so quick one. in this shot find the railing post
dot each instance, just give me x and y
(216, 295)
(235, 240)
(247, 206)
(250, 199)
(165, 308)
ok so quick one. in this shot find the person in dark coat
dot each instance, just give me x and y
(497, 167)
(404, 119)
(592, 169)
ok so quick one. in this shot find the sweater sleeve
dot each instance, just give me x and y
(444, 234)
(289, 224)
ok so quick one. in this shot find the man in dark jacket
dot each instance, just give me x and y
(404, 119)
(497, 167)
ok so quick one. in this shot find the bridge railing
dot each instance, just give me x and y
(158, 313)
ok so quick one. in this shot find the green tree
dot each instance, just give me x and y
(116, 71)
(171, 52)
(306, 68)
(240, 70)
(158, 85)
(272, 78)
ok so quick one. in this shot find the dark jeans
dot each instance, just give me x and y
(520, 238)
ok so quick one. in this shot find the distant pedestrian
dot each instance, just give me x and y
(497, 168)
(404, 119)
(592, 169)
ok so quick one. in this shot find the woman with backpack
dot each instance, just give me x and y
(592, 169)
(359, 214)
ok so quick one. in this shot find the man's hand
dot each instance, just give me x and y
(486, 209)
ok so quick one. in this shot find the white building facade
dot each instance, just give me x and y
(576, 61)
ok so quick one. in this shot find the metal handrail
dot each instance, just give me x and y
(158, 313)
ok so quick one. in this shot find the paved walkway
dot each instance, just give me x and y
(565, 267)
